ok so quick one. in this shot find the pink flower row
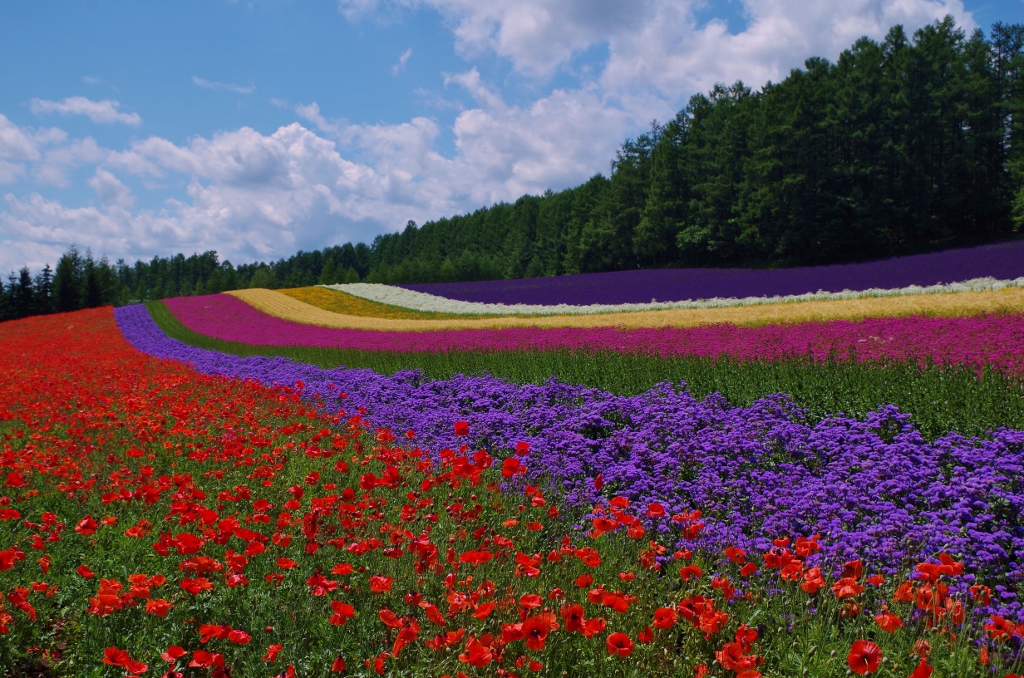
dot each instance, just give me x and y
(995, 339)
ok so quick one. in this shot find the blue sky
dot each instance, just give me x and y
(260, 128)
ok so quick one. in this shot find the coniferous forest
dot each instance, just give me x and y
(912, 143)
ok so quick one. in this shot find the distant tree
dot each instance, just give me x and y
(6, 312)
(263, 277)
(22, 296)
(68, 281)
(43, 292)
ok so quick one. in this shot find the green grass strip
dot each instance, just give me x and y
(939, 399)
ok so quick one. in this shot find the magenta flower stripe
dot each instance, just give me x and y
(997, 340)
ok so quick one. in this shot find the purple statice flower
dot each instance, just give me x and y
(872, 488)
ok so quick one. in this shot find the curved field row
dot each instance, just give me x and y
(995, 339)
(338, 301)
(394, 296)
(960, 304)
(664, 446)
(1003, 260)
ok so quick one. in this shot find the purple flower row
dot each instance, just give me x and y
(873, 489)
(996, 340)
(1004, 261)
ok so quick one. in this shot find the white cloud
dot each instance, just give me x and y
(57, 162)
(402, 60)
(104, 111)
(251, 195)
(110, 191)
(18, 145)
(673, 55)
(224, 86)
(311, 112)
(660, 42)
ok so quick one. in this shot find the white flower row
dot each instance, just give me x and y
(421, 301)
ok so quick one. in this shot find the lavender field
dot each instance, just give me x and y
(1002, 261)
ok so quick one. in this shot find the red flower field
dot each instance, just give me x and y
(155, 521)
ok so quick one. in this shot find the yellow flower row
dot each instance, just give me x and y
(1008, 300)
(347, 304)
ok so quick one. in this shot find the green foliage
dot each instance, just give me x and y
(939, 399)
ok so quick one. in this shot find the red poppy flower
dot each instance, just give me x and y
(483, 610)
(477, 654)
(592, 627)
(390, 619)
(923, 670)
(864, 657)
(573, 616)
(380, 584)
(999, 628)
(530, 600)
(510, 467)
(619, 644)
(847, 587)
(690, 572)
(197, 585)
(475, 557)
(853, 569)
(239, 637)
(86, 526)
(203, 660)
(646, 636)
(535, 630)
(664, 618)
(84, 571)
(813, 581)
(616, 602)
(158, 606)
(115, 657)
(272, 652)
(888, 622)
(173, 654)
(338, 666)
(342, 612)
(462, 428)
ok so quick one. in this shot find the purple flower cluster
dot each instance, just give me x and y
(1004, 261)
(873, 489)
(996, 340)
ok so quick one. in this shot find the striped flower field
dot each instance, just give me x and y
(798, 485)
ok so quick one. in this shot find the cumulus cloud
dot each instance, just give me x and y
(674, 55)
(18, 145)
(661, 42)
(103, 112)
(256, 196)
(111, 193)
(224, 86)
(327, 180)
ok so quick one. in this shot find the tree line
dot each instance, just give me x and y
(915, 142)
